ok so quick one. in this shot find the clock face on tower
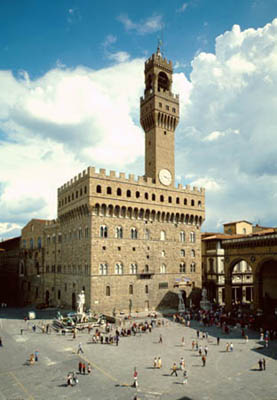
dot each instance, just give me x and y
(165, 177)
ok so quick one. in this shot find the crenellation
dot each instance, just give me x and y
(122, 175)
(112, 174)
(102, 171)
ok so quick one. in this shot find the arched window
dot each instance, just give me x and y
(153, 197)
(59, 294)
(128, 193)
(193, 267)
(192, 237)
(119, 232)
(146, 196)
(146, 268)
(163, 253)
(199, 203)
(118, 192)
(177, 200)
(119, 268)
(147, 234)
(162, 235)
(192, 253)
(109, 190)
(39, 243)
(161, 198)
(134, 233)
(146, 289)
(103, 231)
(183, 253)
(182, 267)
(137, 194)
(192, 203)
(163, 269)
(185, 202)
(108, 291)
(131, 289)
(103, 269)
(31, 243)
(98, 189)
(169, 199)
(163, 82)
(182, 236)
(133, 269)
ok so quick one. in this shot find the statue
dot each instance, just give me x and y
(81, 302)
(204, 294)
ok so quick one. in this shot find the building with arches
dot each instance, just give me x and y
(240, 266)
(126, 241)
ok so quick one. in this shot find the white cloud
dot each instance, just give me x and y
(73, 15)
(119, 57)
(143, 27)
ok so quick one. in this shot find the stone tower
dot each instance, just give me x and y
(159, 116)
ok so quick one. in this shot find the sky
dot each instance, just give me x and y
(72, 73)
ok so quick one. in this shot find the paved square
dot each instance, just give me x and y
(227, 375)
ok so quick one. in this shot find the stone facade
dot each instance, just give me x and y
(9, 272)
(126, 241)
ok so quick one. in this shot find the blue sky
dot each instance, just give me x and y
(65, 64)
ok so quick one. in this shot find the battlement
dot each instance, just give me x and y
(158, 59)
(120, 177)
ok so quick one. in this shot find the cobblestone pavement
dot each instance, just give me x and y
(227, 375)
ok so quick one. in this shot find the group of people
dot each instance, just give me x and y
(83, 368)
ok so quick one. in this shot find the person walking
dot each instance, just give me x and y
(264, 364)
(185, 378)
(204, 360)
(183, 341)
(36, 355)
(159, 362)
(231, 346)
(174, 369)
(206, 350)
(135, 384)
(197, 334)
(260, 362)
(80, 348)
(84, 368)
(155, 363)
(200, 350)
(246, 338)
(69, 380)
(80, 366)
(227, 347)
(218, 340)
(89, 369)
(192, 345)
(182, 364)
(161, 339)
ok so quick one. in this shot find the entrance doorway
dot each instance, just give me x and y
(47, 295)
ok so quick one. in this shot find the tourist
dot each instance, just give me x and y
(218, 340)
(227, 347)
(185, 379)
(155, 362)
(183, 341)
(182, 364)
(231, 346)
(80, 348)
(174, 369)
(192, 345)
(161, 339)
(159, 362)
(69, 380)
(264, 364)
(89, 369)
(84, 369)
(260, 362)
(135, 384)
(36, 355)
(204, 360)
(80, 365)
(206, 350)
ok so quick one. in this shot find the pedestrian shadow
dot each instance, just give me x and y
(255, 369)
(177, 383)
(166, 374)
(151, 368)
(196, 365)
(63, 385)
